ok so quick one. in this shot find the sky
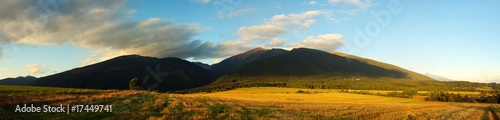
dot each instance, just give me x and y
(456, 39)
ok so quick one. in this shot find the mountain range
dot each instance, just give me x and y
(300, 67)
(18, 80)
(233, 63)
(164, 74)
(309, 68)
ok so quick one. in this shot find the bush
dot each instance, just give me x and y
(133, 83)
(300, 91)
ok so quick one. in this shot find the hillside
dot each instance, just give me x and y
(18, 80)
(203, 65)
(235, 62)
(116, 73)
(410, 74)
(309, 68)
(308, 62)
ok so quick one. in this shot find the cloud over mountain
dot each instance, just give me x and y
(36, 69)
(270, 31)
(105, 28)
(326, 42)
(277, 25)
(98, 25)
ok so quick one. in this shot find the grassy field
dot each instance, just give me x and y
(243, 103)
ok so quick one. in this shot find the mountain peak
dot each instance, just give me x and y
(250, 52)
(256, 50)
(259, 48)
(232, 63)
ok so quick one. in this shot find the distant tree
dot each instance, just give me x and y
(133, 83)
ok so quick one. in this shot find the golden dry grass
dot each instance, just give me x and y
(243, 103)
(284, 103)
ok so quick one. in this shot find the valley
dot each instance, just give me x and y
(249, 60)
(242, 103)
(301, 83)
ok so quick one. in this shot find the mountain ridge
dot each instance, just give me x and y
(310, 68)
(27, 80)
(235, 62)
(117, 72)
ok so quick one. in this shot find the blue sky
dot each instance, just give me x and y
(454, 39)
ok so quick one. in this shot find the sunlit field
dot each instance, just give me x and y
(243, 103)
(324, 104)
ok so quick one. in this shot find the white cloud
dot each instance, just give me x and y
(363, 4)
(269, 29)
(326, 42)
(277, 25)
(307, 24)
(5, 69)
(101, 26)
(36, 69)
(260, 32)
(216, 61)
(53, 22)
(276, 42)
(305, 15)
(313, 2)
(202, 1)
(3, 55)
(239, 12)
(152, 37)
(232, 47)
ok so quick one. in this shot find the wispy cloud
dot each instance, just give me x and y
(239, 12)
(276, 42)
(312, 2)
(4, 69)
(277, 25)
(100, 26)
(216, 61)
(269, 32)
(363, 4)
(202, 1)
(269, 29)
(36, 69)
(339, 16)
(2, 54)
(326, 42)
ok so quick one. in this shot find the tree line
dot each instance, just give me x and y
(483, 97)
(404, 94)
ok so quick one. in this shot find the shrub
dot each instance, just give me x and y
(133, 83)
(300, 91)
